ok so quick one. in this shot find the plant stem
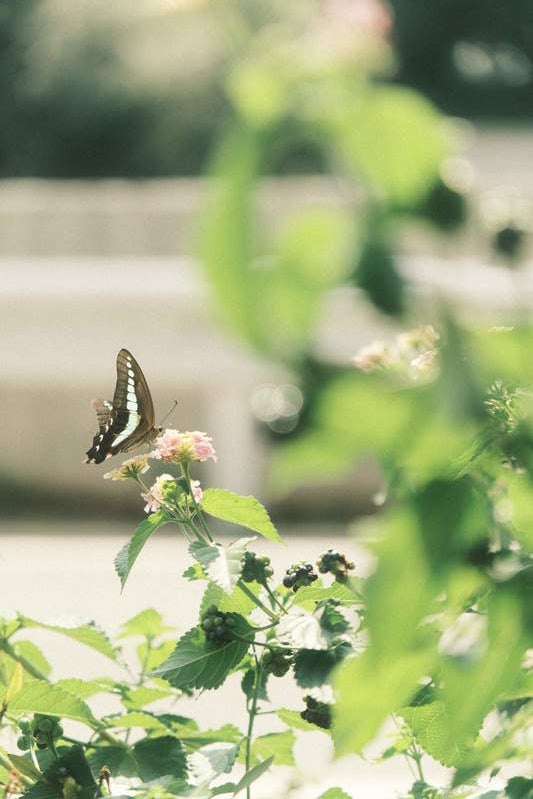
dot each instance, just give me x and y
(273, 597)
(250, 594)
(252, 712)
(199, 514)
(6, 647)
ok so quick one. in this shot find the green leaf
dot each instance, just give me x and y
(147, 623)
(222, 564)
(519, 788)
(158, 757)
(382, 687)
(119, 760)
(395, 138)
(129, 553)
(15, 683)
(43, 697)
(253, 775)
(334, 793)
(380, 279)
(293, 719)
(33, 655)
(151, 659)
(84, 689)
(194, 739)
(138, 698)
(87, 634)
(276, 745)
(197, 664)
(342, 592)
(236, 602)
(313, 667)
(428, 725)
(134, 719)
(471, 686)
(212, 760)
(227, 247)
(25, 765)
(245, 511)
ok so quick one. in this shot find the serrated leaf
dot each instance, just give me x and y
(40, 790)
(83, 689)
(158, 757)
(194, 572)
(312, 667)
(428, 725)
(118, 759)
(193, 739)
(347, 593)
(87, 634)
(222, 564)
(130, 552)
(147, 623)
(15, 683)
(197, 664)
(212, 760)
(236, 602)
(278, 745)
(302, 630)
(138, 698)
(382, 687)
(244, 511)
(33, 654)
(42, 697)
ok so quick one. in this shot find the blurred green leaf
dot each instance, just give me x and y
(395, 139)
(369, 690)
(377, 275)
(227, 249)
(278, 745)
(471, 686)
(428, 725)
(147, 623)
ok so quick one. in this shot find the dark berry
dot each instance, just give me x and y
(23, 743)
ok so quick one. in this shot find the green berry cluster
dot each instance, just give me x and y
(256, 568)
(276, 662)
(299, 575)
(41, 732)
(318, 713)
(335, 563)
(217, 625)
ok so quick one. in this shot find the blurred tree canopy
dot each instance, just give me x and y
(106, 89)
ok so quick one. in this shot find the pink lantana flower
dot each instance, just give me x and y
(374, 356)
(183, 447)
(130, 468)
(154, 496)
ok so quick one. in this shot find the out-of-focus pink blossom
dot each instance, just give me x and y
(154, 496)
(373, 357)
(196, 490)
(172, 445)
(425, 363)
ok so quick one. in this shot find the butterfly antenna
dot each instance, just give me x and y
(168, 414)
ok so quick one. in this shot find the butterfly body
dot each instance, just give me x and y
(128, 421)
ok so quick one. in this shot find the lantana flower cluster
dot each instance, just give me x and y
(171, 446)
(413, 353)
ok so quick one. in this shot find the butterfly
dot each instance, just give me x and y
(128, 421)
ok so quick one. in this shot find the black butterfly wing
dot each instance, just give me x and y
(129, 420)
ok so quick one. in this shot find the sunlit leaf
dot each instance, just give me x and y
(222, 563)
(130, 552)
(42, 697)
(244, 511)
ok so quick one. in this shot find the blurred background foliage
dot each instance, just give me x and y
(87, 94)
